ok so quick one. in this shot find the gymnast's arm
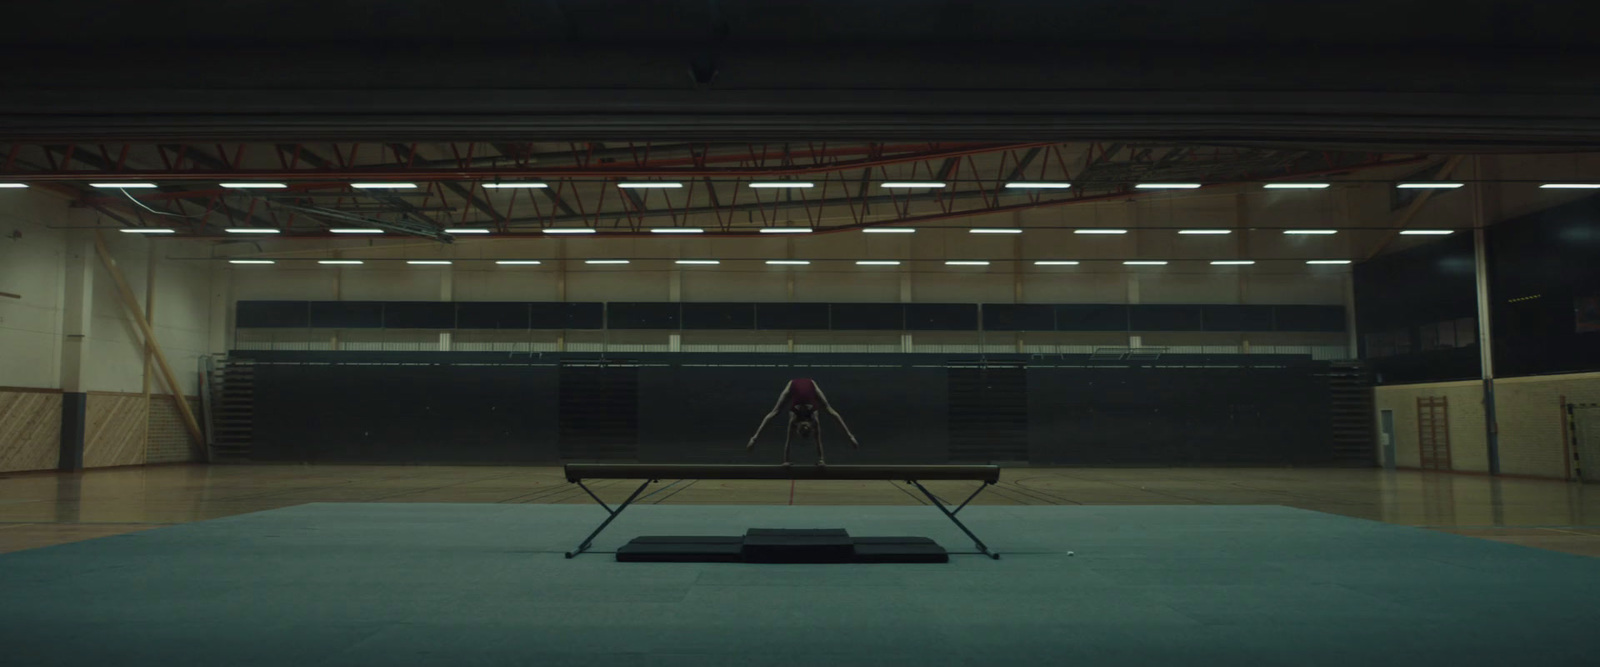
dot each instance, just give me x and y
(828, 405)
(782, 398)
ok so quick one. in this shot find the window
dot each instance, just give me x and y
(1428, 337)
(1379, 345)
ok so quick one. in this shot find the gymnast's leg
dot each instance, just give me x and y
(788, 432)
(816, 430)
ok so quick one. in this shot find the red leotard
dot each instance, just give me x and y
(802, 393)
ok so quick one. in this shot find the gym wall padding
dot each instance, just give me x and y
(1178, 416)
(454, 408)
(405, 413)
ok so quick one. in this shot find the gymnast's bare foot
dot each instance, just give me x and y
(821, 463)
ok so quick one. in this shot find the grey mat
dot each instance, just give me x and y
(462, 584)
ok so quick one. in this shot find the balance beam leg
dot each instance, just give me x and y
(983, 548)
(613, 515)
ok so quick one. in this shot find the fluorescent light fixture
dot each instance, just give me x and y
(253, 230)
(517, 262)
(1546, 186)
(788, 262)
(147, 230)
(889, 230)
(255, 186)
(1167, 186)
(994, 230)
(1154, 262)
(649, 185)
(1041, 185)
(878, 262)
(124, 186)
(1427, 232)
(338, 261)
(516, 185)
(605, 261)
(1232, 262)
(1314, 232)
(251, 261)
(1430, 185)
(1297, 186)
(569, 230)
(699, 262)
(354, 230)
(467, 230)
(1056, 262)
(1098, 230)
(785, 230)
(1205, 231)
(1327, 261)
(12, 186)
(783, 184)
(434, 262)
(677, 230)
(911, 184)
(383, 186)
(967, 262)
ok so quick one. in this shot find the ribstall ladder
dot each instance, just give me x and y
(1433, 432)
(232, 410)
(1351, 418)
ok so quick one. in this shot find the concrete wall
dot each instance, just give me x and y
(42, 243)
(1531, 412)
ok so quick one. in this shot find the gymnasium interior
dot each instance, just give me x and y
(734, 332)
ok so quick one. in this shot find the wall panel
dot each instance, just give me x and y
(704, 408)
(114, 430)
(30, 429)
(438, 414)
(1178, 416)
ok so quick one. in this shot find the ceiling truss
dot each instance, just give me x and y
(582, 178)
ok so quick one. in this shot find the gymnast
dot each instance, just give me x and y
(804, 399)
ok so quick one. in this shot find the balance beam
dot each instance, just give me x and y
(650, 473)
(577, 472)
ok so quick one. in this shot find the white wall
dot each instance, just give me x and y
(37, 231)
(181, 316)
(32, 261)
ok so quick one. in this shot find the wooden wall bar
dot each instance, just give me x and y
(30, 429)
(116, 430)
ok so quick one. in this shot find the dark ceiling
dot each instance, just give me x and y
(1465, 75)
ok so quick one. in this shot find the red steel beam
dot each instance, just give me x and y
(484, 173)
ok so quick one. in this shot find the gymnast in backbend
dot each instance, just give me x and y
(803, 399)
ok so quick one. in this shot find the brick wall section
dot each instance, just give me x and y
(1529, 411)
(169, 441)
(1469, 446)
(1531, 414)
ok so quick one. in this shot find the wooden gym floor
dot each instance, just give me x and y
(46, 508)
